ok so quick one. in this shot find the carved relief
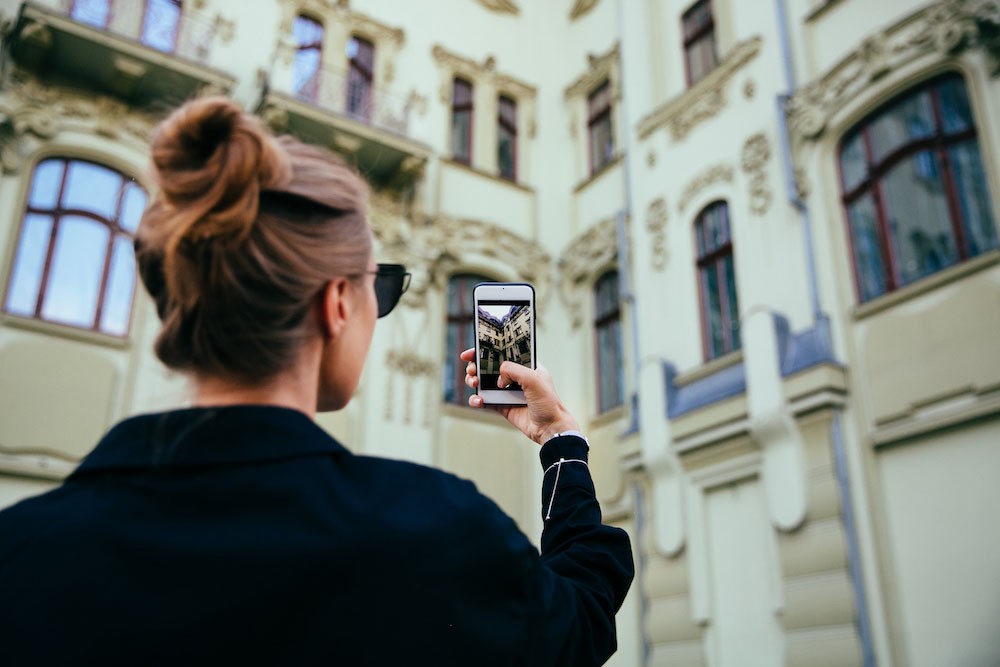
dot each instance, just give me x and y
(656, 225)
(756, 153)
(705, 99)
(501, 6)
(720, 173)
(947, 28)
(581, 8)
(591, 251)
(413, 368)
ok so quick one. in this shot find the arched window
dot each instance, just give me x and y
(461, 335)
(720, 322)
(361, 67)
(913, 188)
(74, 263)
(307, 67)
(608, 339)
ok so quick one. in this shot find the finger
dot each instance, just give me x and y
(511, 372)
(468, 355)
(470, 369)
(472, 381)
(475, 401)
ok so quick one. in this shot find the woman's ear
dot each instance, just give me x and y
(335, 307)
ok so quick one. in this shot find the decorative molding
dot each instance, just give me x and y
(30, 111)
(413, 368)
(756, 153)
(705, 99)
(501, 6)
(586, 254)
(581, 8)
(656, 225)
(946, 28)
(600, 67)
(719, 173)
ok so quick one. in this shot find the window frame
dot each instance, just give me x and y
(694, 35)
(873, 183)
(596, 117)
(465, 320)
(509, 125)
(57, 213)
(466, 108)
(611, 318)
(714, 260)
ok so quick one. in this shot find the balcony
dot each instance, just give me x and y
(367, 124)
(148, 54)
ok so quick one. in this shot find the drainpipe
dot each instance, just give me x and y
(820, 320)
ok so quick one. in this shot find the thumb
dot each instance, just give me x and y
(511, 371)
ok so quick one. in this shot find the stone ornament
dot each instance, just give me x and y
(719, 173)
(705, 99)
(586, 254)
(948, 28)
(656, 225)
(412, 367)
(756, 153)
(581, 8)
(501, 6)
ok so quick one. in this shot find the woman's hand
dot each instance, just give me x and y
(543, 417)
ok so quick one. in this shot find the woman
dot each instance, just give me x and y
(237, 531)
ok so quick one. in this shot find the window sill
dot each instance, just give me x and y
(606, 167)
(820, 7)
(485, 174)
(610, 415)
(64, 331)
(925, 285)
(710, 368)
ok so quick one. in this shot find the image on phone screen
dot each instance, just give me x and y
(504, 335)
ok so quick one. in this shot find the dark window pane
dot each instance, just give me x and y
(871, 269)
(713, 311)
(906, 121)
(853, 164)
(601, 143)
(160, 24)
(92, 188)
(29, 265)
(117, 309)
(77, 267)
(45, 184)
(733, 309)
(361, 55)
(701, 57)
(609, 372)
(505, 152)
(92, 12)
(955, 109)
(973, 197)
(461, 93)
(461, 130)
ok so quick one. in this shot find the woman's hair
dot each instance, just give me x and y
(240, 238)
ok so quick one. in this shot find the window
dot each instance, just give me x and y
(307, 66)
(74, 263)
(361, 64)
(160, 24)
(913, 188)
(92, 12)
(602, 143)
(720, 322)
(461, 335)
(461, 121)
(507, 138)
(699, 41)
(608, 338)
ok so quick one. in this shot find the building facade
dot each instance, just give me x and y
(764, 242)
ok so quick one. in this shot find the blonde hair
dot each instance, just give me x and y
(241, 237)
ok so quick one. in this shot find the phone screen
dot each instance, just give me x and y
(504, 331)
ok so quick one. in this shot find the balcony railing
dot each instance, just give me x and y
(355, 98)
(162, 25)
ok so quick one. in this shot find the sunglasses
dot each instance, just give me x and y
(391, 280)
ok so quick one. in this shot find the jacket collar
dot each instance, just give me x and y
(210, 436)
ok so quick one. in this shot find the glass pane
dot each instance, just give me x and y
(606, 294)
(45, 184)
(460, 131)
(308, 36)
(91, 12)
(358, 87)
(609, 366)
(601, 144)
(973, 198)
(733, 308)
(853, 166)
(307, 33)
(461, 93)
(712, 309)
(712, 229)
(599, 101)
(701, 57)
(871, 270)
(362, 53)
(906, 121)
(93, 188)
(29, 263)
(505, 152)
(121, 285)
(508, 112)
(133, 205)
(918, 218)
(159, 25)
(955, 109)
(77, 267)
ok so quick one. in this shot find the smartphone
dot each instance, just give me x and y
(505, 331)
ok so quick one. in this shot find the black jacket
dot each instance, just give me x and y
(247, 535)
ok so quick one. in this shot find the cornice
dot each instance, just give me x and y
(501, 6)
(719, 173)
(581, 8)
(705, 99)
(599, 68)
(591, 251)
(946, 28)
